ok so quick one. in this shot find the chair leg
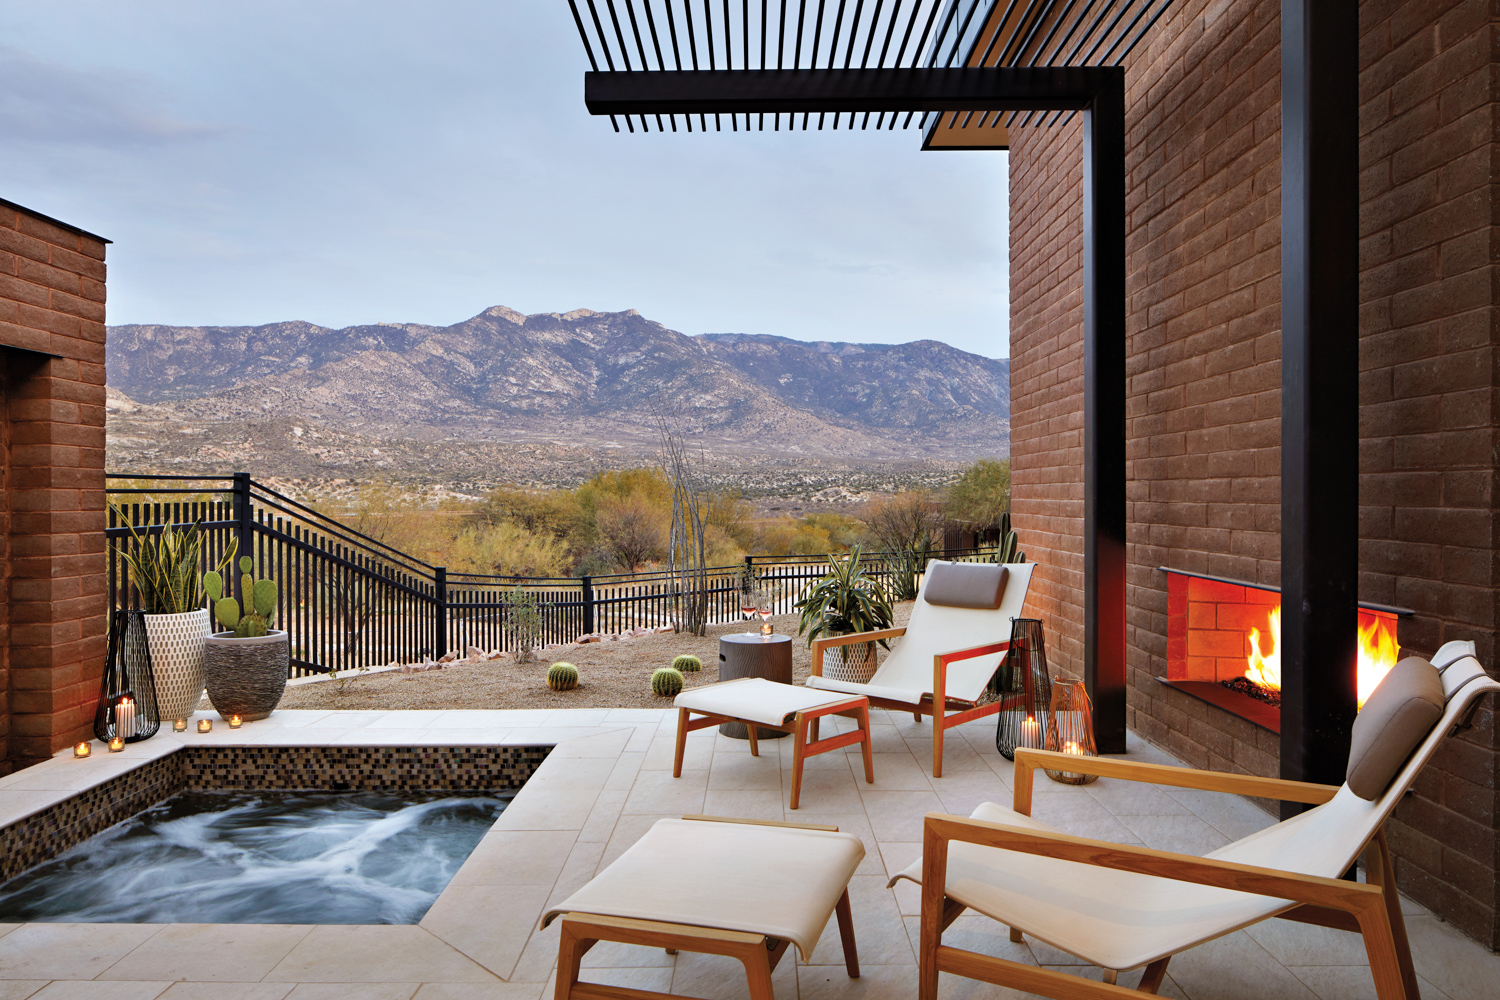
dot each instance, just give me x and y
(917, 716)
(864, 725)
(682, 732)
(1111, 977)
(937, 742)
(846, 935)
(1383, 874)
(1151, 979)
(758, 971)
(1016, 936)
(799, 746)
(750, 728)
(569, 959)
(1380, 947)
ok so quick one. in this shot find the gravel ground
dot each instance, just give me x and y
(610, 675)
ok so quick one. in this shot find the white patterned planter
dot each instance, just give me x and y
(854, 663)
(176, 643)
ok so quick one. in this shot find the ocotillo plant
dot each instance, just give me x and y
(260, 596)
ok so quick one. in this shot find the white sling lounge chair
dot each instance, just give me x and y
(957, 637)
(1122, 907)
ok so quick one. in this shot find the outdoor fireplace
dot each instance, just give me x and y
(1223, 637)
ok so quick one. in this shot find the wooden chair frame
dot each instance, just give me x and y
(804, 729)
(1372, 910)
(758, 953)
(935, 704)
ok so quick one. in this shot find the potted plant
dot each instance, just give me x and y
(164, 567)
(844, 602)
(245, 664)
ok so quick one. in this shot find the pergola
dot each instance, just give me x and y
(967, 72)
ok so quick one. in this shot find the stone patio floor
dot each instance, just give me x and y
(610, 778)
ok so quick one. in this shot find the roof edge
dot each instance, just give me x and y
(56, 222)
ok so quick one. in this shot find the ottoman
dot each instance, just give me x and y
(767, 704)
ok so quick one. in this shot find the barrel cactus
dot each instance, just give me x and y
(687, 664)
(666, 682)
(260, 602)
(562, 676)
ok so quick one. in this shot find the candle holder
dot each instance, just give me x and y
(766, 628)
(127, 695)
(1023, 687)
(1072, 730)
(116, 744)
(205, 725)
(179, 726)
(235, 722)
(83, 749)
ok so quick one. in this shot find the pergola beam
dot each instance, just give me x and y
(813, 91)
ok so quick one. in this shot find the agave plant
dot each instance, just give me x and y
(165, 567)
(844, 601)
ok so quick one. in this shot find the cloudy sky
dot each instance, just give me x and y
(350, 162)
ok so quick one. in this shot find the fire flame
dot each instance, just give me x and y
(1377, 655)
(1265, 668)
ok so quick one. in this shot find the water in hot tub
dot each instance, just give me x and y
(261, 858)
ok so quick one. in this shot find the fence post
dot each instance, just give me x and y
(748, 580)
(440, 629)
(244, 528)
(588, 605)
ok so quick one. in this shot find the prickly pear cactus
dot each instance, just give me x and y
(687, 664)
(260, 600)
(666, 683)
(562, 676)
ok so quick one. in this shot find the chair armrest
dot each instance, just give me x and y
(939, 829)
(829, 642)
(1028, 760)
(940, 663)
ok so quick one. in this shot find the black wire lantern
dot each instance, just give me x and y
(127, 697)
(1023, 687)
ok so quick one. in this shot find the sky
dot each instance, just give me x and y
(377, 161)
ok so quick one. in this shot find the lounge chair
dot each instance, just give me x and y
(956, 639)
(1122, 907)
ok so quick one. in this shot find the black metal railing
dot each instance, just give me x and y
(348, 600)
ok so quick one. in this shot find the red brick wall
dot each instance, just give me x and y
(1203, 190)
(52, 342)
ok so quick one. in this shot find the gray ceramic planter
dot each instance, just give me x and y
(246, 677)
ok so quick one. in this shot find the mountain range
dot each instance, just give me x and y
(576, 387)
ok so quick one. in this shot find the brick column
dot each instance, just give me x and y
(53, 626)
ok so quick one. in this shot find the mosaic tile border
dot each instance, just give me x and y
(45, 834)
(359, 769)
(49, 832)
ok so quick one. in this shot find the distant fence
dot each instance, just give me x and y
(348, 600)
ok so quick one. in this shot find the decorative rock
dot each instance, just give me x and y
(474, 653)
(449, 656)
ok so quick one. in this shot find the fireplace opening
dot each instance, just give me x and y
(1223, 645)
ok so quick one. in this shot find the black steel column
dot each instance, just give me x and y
(1104, 411)
(1319, 386)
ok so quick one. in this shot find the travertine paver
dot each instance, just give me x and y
(606, 782)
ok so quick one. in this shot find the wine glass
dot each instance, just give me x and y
(747, 609)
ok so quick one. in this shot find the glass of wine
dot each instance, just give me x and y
(763, 606)
(747, 609)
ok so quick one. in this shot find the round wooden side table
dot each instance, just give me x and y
(768, 656)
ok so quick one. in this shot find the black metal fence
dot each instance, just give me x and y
(349, 601)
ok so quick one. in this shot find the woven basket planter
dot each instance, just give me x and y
(176, 643)
(246, 677)
(854, 663)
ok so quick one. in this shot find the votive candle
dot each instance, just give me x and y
(235, 722)
(180, 726)
(116, 744)
(1030, 732)
(83, 750)
(205, 725)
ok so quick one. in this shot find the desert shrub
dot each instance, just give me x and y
(904, 525)
(981, 495)
(525, 623)
(506, 549)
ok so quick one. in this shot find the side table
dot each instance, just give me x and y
(768, 656)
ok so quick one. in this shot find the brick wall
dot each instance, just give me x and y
(52, 347)
(1203, 189)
